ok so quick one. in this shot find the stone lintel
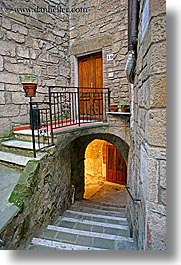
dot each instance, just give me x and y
(89, 45)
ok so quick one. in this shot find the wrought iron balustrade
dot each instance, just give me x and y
(66, 106)
(41, 125)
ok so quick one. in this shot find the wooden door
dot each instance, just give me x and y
(90, 86)
(116, 169)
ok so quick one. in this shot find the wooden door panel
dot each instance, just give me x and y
(116, 170)
(98, 97)
(84, 80)
(98, 72)
(90, 77)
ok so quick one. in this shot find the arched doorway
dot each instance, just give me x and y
(103, 163)
(78, 157)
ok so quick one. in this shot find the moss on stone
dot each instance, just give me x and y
(26, 184)
(19, 194)
(26, 178)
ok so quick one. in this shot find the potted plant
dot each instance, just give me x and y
(125, 106)
(29, 85)
(113, 107)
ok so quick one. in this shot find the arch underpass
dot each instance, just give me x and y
(77, 155)
(47, 181)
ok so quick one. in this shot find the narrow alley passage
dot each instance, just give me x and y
(98, 222)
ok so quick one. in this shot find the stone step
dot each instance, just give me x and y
(13, 160)
(96, 217)
(20, 147)
(98, 204)
(94, 226)
(95, 208)
(26, 135)
(106, 204)
(45, 244)
(86, 229)
(88, 233)
(16, 161)
(77, 239)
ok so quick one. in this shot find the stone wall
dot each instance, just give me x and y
(48, 42)
(38, 41)
(101, 27)
(42, 193)
(147, 160)
(95, 171)
(44, 189)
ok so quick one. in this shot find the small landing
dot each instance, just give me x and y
(108, 194)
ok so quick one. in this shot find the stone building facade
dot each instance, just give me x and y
(147, 156)
(102, 28)
(32, 39)
(47, 38)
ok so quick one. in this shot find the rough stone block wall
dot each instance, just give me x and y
(95, 172)
(31, 39)
(42, 193)
(147, 177)
(103, 27)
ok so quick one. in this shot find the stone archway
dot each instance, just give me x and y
(104, 167)
(77, 151)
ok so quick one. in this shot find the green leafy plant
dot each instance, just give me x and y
(66, 115)
(124, 103)
(28, 78)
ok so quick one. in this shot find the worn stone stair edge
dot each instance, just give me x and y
(17, 159)
(98, 215)
(91, 209)
(60, 246)
(25, 145)
(107, 225)
(99, 205)
(28, 138)
(107, 204)
(89, 234)
(14, 158)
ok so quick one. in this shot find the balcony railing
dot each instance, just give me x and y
(66, 106)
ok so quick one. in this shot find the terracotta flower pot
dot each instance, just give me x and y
(125, 108)
(113, 107)
(29, 89)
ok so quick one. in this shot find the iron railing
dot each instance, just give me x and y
(66, 106)
(134, 200)
(41, 125)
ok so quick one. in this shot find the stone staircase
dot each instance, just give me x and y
(14, 155)
(87, 226)
(19, 150)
